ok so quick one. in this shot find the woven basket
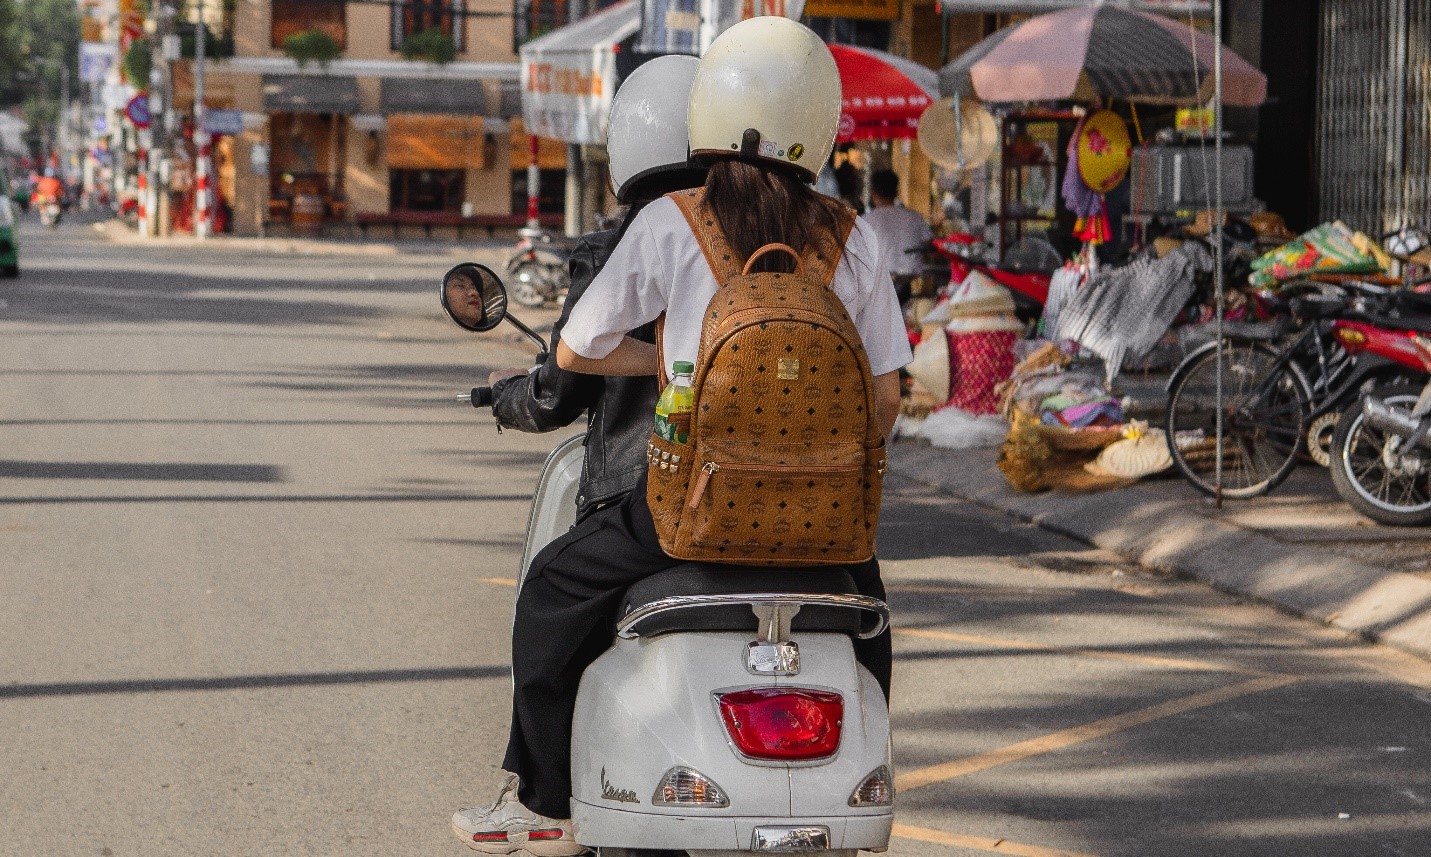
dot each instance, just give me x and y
(1092, 439)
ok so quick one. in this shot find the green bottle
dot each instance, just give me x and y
(673, 409)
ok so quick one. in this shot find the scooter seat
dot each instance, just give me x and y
(698, 579)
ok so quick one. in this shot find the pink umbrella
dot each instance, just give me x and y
(883, 95)
(1101, 51)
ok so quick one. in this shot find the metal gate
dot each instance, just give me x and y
(1374, 113)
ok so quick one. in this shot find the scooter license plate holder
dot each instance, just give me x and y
(790, 839)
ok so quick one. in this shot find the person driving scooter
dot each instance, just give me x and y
(777, 81)
(646, 146)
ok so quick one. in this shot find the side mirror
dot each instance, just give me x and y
(474, 297)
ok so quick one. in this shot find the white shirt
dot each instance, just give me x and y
(899, 229)
(659, 267)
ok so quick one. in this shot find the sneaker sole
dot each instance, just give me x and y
(537, 848)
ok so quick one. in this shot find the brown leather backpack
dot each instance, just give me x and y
(784, 462)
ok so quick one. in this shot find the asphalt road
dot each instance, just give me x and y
(258, 571)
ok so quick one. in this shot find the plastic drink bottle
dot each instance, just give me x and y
(673, 409)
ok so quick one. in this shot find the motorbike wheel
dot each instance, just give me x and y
(1370, 472)
(528, 285)
(1263, 424)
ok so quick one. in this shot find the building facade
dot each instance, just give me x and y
(418, 111)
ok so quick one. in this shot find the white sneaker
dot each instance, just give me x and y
(507, 827)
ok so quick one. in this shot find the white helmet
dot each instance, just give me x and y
(768, 89)
(646, 130)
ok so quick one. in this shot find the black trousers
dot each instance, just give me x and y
(566, 617)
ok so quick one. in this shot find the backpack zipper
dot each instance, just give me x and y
(710, 467)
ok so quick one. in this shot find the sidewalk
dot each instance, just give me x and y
(116, 231)
(1300, 548)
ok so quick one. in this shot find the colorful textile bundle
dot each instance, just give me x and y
(1331, 248)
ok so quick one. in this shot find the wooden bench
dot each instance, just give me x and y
(428, 219)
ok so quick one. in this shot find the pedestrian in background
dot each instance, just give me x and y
(900, 231)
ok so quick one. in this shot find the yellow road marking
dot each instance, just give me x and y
(980, 843)
(1081, 734)
(1150, 660)
(500, 581)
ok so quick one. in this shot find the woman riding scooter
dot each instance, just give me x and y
(764, 80)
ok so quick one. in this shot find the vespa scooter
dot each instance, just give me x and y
(729, 717)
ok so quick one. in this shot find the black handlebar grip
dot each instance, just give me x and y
(481, 397)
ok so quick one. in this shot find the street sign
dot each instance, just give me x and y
(223, 121)
(138, 111)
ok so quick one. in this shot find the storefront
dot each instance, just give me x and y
(568, 79)
(308, 121)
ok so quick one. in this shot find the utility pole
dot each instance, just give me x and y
(161, 107)
(202, 140)
(575, 164)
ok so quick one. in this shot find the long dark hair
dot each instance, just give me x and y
(757, 205)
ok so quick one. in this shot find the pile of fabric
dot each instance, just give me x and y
(1125, 311)
(1331, 248)
(1068, 433)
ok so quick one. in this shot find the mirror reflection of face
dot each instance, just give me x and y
(465, 300)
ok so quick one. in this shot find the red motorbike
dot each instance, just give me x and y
(1381, 450)
(1029, 288)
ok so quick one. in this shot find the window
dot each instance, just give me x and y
(535, 17)
(411, 17)
(291, 17)
(427, 190)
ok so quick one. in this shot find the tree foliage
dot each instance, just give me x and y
(43, 37)
(432, 45)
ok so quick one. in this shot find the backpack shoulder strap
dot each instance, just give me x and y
(719, 254)
(822, 255)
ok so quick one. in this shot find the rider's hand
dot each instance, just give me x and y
(503, 374)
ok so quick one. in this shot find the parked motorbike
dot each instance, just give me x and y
(537, 269)
(968, 253)
(729, 717)
(1381, 450)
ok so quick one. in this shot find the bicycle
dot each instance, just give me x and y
(537, 268)
(1275, 390)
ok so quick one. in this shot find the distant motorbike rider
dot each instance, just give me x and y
(766, 76)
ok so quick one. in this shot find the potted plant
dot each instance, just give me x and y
(312, 45)
(432, 45)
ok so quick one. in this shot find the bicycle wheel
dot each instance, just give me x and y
(1264, 419)
(1374, 472)
(527, 284)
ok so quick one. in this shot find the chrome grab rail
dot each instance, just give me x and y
(627, 629)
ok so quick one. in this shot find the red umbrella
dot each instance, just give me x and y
(884, 95)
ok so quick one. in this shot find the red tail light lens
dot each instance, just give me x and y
(783, 723)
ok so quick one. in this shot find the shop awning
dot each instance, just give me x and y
(433, 95)
(569, 75)
(304, 93)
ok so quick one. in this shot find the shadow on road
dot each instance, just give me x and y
(127, 470)
(248, 682)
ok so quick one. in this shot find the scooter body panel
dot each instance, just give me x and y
(648, 705)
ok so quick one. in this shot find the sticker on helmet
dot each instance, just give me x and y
(768, 149)
(796, 151)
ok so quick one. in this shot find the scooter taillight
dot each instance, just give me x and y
(783, 723)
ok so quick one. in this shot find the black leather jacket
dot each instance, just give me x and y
(620, 410)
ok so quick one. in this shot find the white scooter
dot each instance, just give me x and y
(729, 717)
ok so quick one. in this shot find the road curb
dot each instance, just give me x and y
(1145, 525)
(117, 232)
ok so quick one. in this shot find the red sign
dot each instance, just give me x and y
(138, 111)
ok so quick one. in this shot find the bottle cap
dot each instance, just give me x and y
(683, 367)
